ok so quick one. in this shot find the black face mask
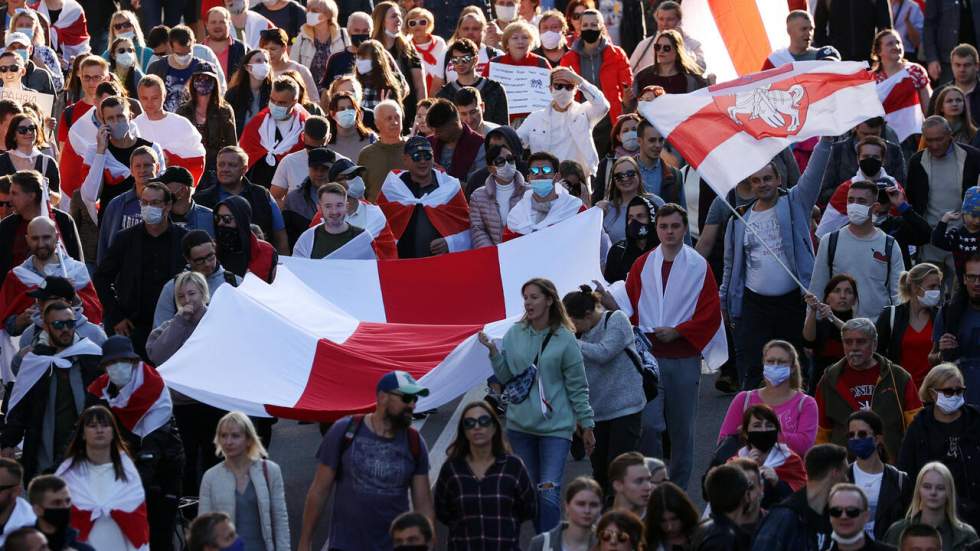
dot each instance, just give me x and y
(591, 36)
(763, 440)
(357, 39)
(870, 166)
(57, 517)
(638, 230)
(228, 238)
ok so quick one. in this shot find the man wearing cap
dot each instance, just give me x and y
(334, 233)
(293, 169)
(360, 213)
(140, 401)
(181, 142)
(200, 253)
(301, 203)
(32, 77)
(185, 212)
(60, 289)
(49, 393)
(425, 207)
(383, 448)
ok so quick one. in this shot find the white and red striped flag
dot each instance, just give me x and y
(70, 32)
(900, 99)
(737, 35)
(730, 130)
(321, 336)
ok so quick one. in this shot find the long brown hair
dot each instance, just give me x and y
(460, 448)
(669, 497)
(402, 46)
(216, 99)
(627, 522)
(362, 130)
(965, 118)
(557, 317)
(77, 450)
(382, 75)
(684, 63)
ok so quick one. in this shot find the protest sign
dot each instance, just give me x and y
(45, 102)
(527, 87)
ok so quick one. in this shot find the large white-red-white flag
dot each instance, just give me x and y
(321, 336)
(736, 35)
(730, 130)
(900, 99)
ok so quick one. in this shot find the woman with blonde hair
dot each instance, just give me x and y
(27, 22)
(247, 486)
(518, 41)
(675, 69)
(946, 421)
(419, 24)
(905, 329)
(934, 504)
(125, 24)
(319, 38)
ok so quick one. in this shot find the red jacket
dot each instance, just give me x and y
(262, 259)
(615, 75)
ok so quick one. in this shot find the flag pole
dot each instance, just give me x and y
(47, 209)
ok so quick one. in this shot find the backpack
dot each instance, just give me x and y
(889, 243)
(354, 425)
(643, 360)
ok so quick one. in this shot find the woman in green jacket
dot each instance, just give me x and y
(934, 503)
(540, 426)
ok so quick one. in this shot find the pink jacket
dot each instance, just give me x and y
(798, 418)
(486, 227)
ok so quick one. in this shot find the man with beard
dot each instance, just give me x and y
(51, 501)
(382, 448)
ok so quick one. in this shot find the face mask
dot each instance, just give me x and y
(151, 215)
(391, 34)
(57, 517)
(858, 214)
(776, 374)
(637, 230)
(29, 31)
(841, 540)
(313, 18)
(120, 373)
(203, 86)
(364, 66)
(119, 130)
(279, 112)
(506, 13)
(949, 405)
(237, 7)
(346, 118)
(930, 298)
(357, 39)
(630, 141)
(763, 440)
(182, 59)
(355, 187)
(22, 54)
(550, 40)
(870, 166)
(542, 188)
(591, 36)
(259, 70)
(239, 543)
(506, 172)
(128, 34)
(562, 97)
(125, 60)
(228, 238)
(862, 448)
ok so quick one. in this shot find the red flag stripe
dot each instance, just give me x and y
(741, 28)
(902, 95)
(709, 127)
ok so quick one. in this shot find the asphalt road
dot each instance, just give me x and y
(294, 447)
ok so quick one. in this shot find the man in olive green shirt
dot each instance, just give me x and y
(323, 239)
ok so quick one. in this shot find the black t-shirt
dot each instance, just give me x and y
(157, 268)
(945, 441)
(289, 18)
(420, 232)
(968, 34)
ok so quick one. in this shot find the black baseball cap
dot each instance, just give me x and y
(321, 156)
(54, 287)
(344, 167)
(176, 174)
(416, 144)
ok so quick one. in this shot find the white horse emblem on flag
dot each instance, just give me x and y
(771, 106)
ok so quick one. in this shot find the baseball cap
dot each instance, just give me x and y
(828, 53)
(416, 144)
(16, 38)
(176, 174)
(53, 287)
(321, 156)
(401, 381)
(344, 167)
(316, 127)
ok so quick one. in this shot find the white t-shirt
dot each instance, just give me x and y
(105, 533)
(504, 192)
(763, 274)
(292, 170)
(871, 485)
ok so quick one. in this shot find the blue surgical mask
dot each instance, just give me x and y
(29, 31)
(346, 118)
(862, 448)
(22, 53)
(278, 112)
(237, 545)
(776, 374)
(542, 188)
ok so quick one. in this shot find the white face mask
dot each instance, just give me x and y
(151, 215)
(949, 405)
(507, 171)
(355, 187)
(506, 13)
(126, 59)
(364, 66)
(858, 214)
(120, 373)
(930, 298)
(313, 18)
(775, 374)
(346, 118)
(841, 540)
(183, 59)
(562, 97)
(549, 39)
(259, 70)
(630, 141)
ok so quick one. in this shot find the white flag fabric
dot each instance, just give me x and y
(900, 99)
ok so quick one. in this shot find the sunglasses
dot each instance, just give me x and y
(539, 170)
(859, 434)
(226, 219)
(406, 398)
(851, 512)
(666, 48)
(125, 51)
(625, 175)
(614, 535)
(418, 23)
(462, 60)
(61, 325)
(559, 86)
(950, 392)
(30, 129)
(11, 68)
(577, 15)
(121, 26)
(422, 156)
(501, 161)
(483, 421)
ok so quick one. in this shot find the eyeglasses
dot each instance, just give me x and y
(971, 278)
(121, 26)
(539, 170)
(577, 15)
(418, 23)
(226, 219)
(29, 129)
(625, 175)
(202, 260)
(11, 68)
(501, 161)
(560, 86)
(851, 512)
(614, 535)
(859, 434)
(665, 48)
(406, 398)
(950, 392)
(86, 78)
(483, 421)
(61, 325)
(422, 156)
(462, 60)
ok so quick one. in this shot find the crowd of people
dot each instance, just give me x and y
(156, 150)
